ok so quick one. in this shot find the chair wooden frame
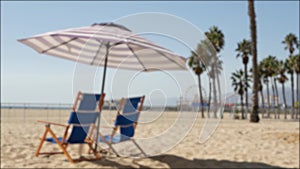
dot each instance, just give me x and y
(62, 144)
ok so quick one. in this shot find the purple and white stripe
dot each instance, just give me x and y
(88, 45)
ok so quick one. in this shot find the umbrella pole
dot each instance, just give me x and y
(102, 91)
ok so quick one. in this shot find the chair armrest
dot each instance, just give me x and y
(52, 123)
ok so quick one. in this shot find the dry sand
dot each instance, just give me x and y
(234, 144)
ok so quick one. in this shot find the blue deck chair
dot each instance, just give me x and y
(126, 121)
(85, 113)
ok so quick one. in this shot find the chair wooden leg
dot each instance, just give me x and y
(65, 145)
(41, 142)
(91, 142)
(98, 156)
(63, 148)
(89, 151)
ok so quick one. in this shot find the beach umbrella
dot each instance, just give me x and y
(107, 45)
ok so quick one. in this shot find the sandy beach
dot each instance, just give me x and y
(234, 144)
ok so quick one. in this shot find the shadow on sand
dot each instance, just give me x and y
(173, 161)
(179, 162)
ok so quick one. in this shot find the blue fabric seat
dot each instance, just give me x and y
(125, 121)
(116, 138)
(81, 124)
(82, 119)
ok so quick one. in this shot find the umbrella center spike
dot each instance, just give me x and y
(102, 89)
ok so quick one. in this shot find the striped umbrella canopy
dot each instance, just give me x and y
(107, 45)
(92, 44)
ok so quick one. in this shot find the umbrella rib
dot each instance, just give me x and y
(101, 44)
(169, 58)
(132, 51)
(63, 43)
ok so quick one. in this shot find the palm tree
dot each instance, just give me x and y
(240, 84)
(266, 82)
(244, 50)
(215, 69)
(254, 114)
(290, 65)
(216, 38)
(198, 67)
(282, 79)
(270, 68)
(206, 52)
(297, 70)
(275, 72)
(291, 42)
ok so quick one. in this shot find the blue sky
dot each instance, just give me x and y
(27, 76)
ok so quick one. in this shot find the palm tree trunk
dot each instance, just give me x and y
(215, 98)
(242, 105)
(254, 114)
(276, 92)
(214, 90)
(284, 99)
(268, 99)
(298, 95)
(201, 98)
(277, 99)
(209, 98)
(263, 102)
(292, 90)
(262, 98)
(220, 95)
(273, 97)
(246, 77)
